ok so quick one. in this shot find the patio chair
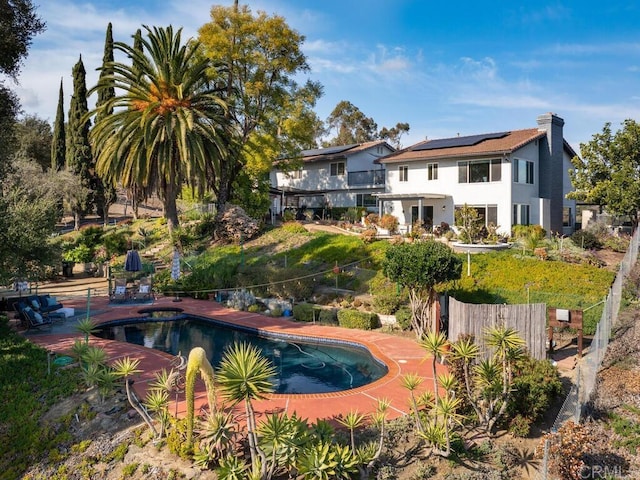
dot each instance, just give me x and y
(35, 319)
(44, 304)
(144, 291)
(119, 293)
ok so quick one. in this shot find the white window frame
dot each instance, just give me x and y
(337, 169)
(432, 171)
(403, 173)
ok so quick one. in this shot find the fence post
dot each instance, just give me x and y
(545, 460)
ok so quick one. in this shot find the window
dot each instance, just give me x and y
(520, 214)
(480, 171)
(522, 171)
(366, 200)
(567, 218)
(403, 172)
(487, 214)
(432, 171)
(337, 169)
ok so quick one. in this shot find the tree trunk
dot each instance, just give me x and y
(170, 206)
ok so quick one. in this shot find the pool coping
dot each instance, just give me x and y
(401, 356)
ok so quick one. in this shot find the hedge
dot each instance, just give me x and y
(349, 318)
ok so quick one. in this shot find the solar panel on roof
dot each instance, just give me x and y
(328, 150)
(458, 141)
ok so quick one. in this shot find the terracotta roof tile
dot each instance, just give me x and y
(492, 146)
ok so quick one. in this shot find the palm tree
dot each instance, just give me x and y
(168, 124)
(244, 375)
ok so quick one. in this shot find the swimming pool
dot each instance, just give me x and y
(303, 364)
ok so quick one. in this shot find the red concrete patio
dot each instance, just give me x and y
(401, 355)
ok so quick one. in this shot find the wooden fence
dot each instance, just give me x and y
(529, 320)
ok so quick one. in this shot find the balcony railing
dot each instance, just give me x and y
(366, 177)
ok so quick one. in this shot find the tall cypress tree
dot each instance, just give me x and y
(105, 194)
(58, 143)
(79, 158)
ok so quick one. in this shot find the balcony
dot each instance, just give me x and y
(366, 178)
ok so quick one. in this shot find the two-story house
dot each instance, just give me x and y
(341, 176)
(510, 178)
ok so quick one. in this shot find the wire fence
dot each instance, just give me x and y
(581, 392)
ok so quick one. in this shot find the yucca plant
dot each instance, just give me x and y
(125, 368)
(86, 327)
(437, 345)
(158, 401)
(245, 375)
(411, 381)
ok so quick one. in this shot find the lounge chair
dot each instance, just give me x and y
(44, 304)
(119, 293)
(144, 289)
(35, 319)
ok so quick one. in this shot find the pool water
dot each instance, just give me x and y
(302, 365)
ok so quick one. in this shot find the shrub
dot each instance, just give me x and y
(79, 254)
(387, 304)
(206, 227)
(524, 231)
(389, 222)
(349, 318)
(520, 426)
(276, 312)
(115, 241)
(303, 312)
(328, 315)
(403, 318)
(368, 235)
(289, 216)
(90, 236)
(291, 282)
(617, 243)
(293, 227)
(255, 308)
(585, 239)
(536, 384)
(371, 219)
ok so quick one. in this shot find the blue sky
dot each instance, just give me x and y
(447, 68)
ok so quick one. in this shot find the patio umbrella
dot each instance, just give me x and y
(132, 262)
(175, 271)
(175, 266)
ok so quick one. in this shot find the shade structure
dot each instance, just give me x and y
(175, 265)
(132, 262)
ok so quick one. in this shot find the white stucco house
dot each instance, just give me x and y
(513, 177)
(341, 176)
